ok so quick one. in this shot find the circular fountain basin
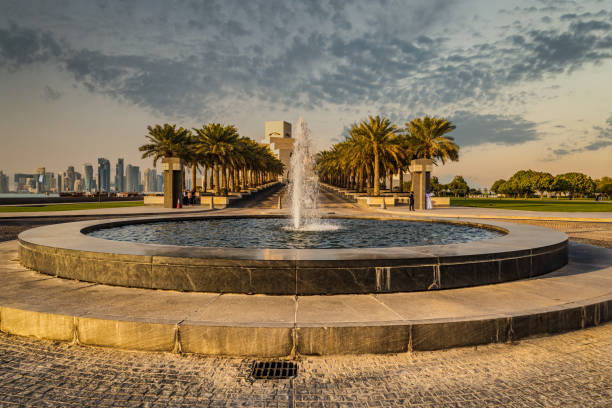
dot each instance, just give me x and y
(501, 252)
(279, 233)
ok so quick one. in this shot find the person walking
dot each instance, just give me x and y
(411, 201)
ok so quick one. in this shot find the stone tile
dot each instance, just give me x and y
(330, 310)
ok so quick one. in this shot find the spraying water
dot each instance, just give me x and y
(304, 187)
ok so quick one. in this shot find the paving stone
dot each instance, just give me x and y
(572, 369)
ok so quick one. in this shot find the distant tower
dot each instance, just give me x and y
(69, 178)
(150, 181)
(278, 136)
(103, 175)
(4, 182)
(88, 175)
(132, 179)
(119, 176)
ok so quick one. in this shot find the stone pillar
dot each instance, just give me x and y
(173, 182)
(420, 169)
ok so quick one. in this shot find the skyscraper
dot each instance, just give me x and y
(103, 175)
(150, 181)
(160, 182)
(132, 179)
(119, 179)
(50, 184)
(88, 174)
(4, 182)
(69, 178)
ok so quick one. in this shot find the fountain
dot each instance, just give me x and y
(300, 255)
(264, 253)
(304, 186)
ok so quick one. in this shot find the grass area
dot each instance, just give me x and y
(534, 204)
(69, 207)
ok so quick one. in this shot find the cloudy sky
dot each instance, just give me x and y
(528, 83)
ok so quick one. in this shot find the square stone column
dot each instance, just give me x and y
(420, 169)
(173, 183)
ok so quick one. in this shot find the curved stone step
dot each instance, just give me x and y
(32, 304)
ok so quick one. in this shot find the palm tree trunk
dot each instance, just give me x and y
(194, 170)
(204, 175)
(401, 181)
(224, 175)
(361, 179)
(230, 179)
(376, 172)
(211, 178)
(216, 172)
(244, 178)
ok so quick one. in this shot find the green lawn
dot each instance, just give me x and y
(70, 207)
(534, 204)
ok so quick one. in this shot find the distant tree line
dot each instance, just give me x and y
(525, 183)
(457, 187)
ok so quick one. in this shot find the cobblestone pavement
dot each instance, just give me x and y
(10, 228)
(594, 233)
(568, 370)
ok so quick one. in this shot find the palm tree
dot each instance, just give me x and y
(165, 141)
(381, 136)
(216, 141)
(427, 138)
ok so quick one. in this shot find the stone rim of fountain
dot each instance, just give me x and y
(63, 250)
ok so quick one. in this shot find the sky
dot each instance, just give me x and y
(527, 83)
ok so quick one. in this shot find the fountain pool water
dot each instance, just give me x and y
(253, 232)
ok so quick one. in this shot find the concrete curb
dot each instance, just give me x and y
(270, 341)
(56, 309)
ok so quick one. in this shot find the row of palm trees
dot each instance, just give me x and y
(236, 162)
(375, 149)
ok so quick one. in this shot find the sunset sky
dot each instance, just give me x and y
(527, 83)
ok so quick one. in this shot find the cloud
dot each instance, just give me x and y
(20, 46)
(50, 94)
(475, 129)
(201, 59)
(601, 140)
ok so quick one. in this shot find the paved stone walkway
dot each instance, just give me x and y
(594, 233)
(568, 370)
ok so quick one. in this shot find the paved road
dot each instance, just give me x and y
(327, 200)
(569, 370)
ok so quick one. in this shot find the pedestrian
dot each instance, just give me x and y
(411, 201)
(189, 197)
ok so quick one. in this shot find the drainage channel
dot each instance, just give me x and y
(274, 370)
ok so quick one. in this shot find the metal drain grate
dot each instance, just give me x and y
(274, 370)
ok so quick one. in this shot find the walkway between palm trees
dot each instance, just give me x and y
(326, 201)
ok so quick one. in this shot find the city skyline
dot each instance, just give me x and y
(522, 80)
(87, 180)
